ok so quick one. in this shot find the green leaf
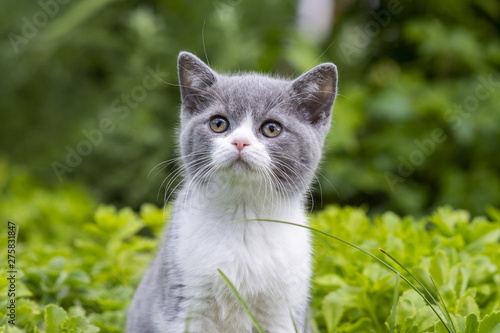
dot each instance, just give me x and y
(490, 323)
(54, 317)
(467, 305)
(334, 305)
(154, 217)
(329, 280)
(359, 326)
(471, 324)
(493, 212)
(78, 325)
(10, 329)
(413, 312)
(440, 265)
(458, 323)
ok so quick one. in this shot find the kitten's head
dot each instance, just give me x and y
(254, 129)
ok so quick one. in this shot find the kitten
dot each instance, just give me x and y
(250, 145)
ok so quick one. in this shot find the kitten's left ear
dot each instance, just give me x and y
(315, 92)
(194, 79)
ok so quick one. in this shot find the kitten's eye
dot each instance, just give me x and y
(271, 129)
(219, 124)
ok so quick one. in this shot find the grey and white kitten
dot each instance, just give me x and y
(250, 145)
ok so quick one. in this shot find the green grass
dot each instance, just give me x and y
(79, 263)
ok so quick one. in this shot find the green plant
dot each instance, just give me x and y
(429, 294)
(353, 292)
(83, 279)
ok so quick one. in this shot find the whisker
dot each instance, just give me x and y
(182, 169)
(177, 171)
(314, 172)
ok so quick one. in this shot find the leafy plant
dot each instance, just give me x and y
(351, 290)
(84, 279)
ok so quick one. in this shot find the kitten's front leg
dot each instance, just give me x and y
(274, 317)
(198, 319)
(202, 326)
(285, 327)
(190, 325)
(283, 324)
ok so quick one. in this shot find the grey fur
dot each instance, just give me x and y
(302, 107)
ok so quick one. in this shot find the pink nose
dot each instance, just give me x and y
(241, 143)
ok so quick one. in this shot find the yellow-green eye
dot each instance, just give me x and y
(271, 129)
(219, 124)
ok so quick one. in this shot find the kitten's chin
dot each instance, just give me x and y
(241, 172)
(240, 166)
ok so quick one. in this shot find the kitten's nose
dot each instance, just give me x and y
(241, 143)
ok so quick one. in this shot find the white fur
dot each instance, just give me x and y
(268, 263)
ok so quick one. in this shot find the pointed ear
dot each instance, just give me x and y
(315, 92)
(194, 78)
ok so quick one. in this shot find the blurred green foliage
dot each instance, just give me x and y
(77, 269)
(405, 71)
(77, 263)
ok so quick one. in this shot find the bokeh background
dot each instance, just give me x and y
(88, 95)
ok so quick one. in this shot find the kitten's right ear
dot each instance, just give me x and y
(315, 92)
(194, 78)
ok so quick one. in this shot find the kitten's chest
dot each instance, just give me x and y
(258, 257)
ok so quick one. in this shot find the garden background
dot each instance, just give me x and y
(89, 108)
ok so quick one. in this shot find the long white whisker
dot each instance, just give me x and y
(178, 172)
(314, 172)
(192, 164)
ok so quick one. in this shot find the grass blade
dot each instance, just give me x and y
(242, 302)
(374, 257)
(294, 324)
(427, 291)
(306, 324)
(188, 320)
(444, 304)
(392, 325)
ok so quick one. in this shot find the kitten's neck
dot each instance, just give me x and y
(224, 199)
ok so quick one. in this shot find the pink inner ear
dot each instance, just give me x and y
(327, 87)
(326, 90)
(186, 78)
